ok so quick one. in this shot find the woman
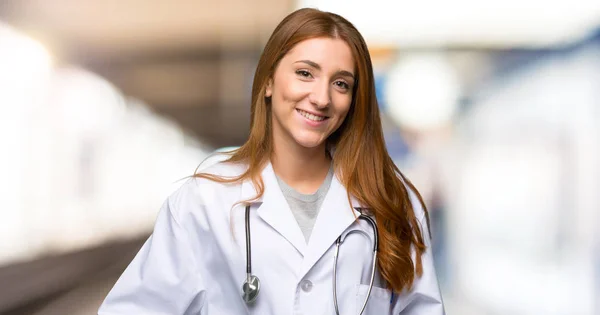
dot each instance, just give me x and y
(314, 158)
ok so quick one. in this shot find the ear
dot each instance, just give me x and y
(269, 88)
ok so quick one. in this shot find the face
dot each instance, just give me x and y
(311, 91)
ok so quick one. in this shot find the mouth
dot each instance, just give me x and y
(311, 116)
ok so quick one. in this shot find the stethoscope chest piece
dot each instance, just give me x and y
(250, 289)
(251, 286)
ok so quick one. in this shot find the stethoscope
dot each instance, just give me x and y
(251, 285)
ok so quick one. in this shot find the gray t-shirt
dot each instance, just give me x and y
(305, 207)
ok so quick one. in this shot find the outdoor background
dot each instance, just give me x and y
(492, 108)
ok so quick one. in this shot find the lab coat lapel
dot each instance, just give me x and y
(275, 210)
(335, 216)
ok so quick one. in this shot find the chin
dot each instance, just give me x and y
(309, 142)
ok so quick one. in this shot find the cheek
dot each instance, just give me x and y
(343, 106)
(289, 90)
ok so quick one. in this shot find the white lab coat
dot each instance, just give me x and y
(195, 260)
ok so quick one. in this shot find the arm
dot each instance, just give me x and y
(161, 279)
(424, 298)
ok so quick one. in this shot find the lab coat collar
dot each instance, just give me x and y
(335, 216)
(274, 209)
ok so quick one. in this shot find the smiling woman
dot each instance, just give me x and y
(315, 162)
(311, 92)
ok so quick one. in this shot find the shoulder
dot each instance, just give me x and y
(419, 211)
(415, 202)
(219, 167)
(198, 192)
(414, 198)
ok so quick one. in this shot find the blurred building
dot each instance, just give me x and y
(491, 109)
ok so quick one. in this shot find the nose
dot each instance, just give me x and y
(320, 96)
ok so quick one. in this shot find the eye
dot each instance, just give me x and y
(304, 73)
(342, 84)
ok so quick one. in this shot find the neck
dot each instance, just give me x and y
(303, 169)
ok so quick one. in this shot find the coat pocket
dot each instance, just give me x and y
(379, 300)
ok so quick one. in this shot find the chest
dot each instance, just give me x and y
(289, 283)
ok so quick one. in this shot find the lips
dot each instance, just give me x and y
(311, 116)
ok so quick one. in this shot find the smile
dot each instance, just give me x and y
(310, 116)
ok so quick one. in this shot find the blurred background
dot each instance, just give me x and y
(491, 108)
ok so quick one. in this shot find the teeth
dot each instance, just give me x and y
(311, 116)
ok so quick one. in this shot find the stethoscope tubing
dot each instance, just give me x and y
(248, 245)
(339, 242)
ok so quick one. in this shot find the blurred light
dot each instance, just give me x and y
(25, 66)
(511, 221)
(89, 102)
(524, 202)
(467, 22)
(81, 164)
(21, 58)
(421, 91)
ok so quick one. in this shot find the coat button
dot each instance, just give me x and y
(306, 285)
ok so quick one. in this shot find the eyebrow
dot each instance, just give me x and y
(318, 67)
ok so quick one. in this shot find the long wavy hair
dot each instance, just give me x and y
(360, 158)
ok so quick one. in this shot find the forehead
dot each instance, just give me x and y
(332, 53)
